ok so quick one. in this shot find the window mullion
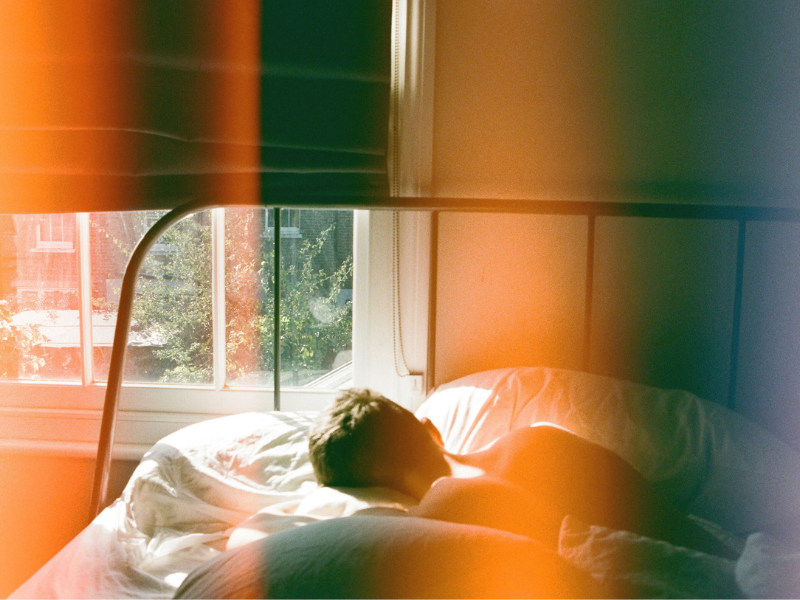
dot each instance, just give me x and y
(218, 295)
(85, 297)
(276, 299)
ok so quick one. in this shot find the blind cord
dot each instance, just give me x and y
(397, 323)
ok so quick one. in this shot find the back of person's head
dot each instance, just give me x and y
(364, 439)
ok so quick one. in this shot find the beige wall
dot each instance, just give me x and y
(515, 99)
(663, 303)
(769, 377)
(677, 102)
(509, 292)
(562, 98)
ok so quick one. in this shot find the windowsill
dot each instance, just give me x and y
(70, 449)
(64, 418)
(286, 233)
(54, 250)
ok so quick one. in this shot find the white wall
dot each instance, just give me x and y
(769, 376)
(509, 292)
(663, 303)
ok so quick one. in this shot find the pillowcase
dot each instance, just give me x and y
(712, 461)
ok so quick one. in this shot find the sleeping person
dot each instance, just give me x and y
(525, 483)
(487, 523)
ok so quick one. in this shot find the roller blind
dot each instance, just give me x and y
(148, 104)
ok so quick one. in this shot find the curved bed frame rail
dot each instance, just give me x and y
(590, 209)
(119, 349)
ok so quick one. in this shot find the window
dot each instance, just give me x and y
(202, 321)
(40, 297)
(316, 292)
(150, 218)
(55, 233)
(290, 223)
(178, 328)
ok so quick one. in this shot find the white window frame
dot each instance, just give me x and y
(394, 330)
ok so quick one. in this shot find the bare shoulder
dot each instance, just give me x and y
(553, 441)
(546, 433)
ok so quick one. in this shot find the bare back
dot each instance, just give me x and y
(537, 475)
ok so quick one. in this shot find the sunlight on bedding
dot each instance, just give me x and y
(245, 476)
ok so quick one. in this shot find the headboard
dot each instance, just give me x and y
(589, 214)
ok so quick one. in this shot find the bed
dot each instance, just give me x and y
(250, 472)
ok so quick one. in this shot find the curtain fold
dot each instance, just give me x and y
(149, 104)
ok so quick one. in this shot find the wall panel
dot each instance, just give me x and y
(768, 390)
(511, 292)
(663, 303)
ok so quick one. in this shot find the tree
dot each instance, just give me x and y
(173, 309)
(315, 324)
(173, 303)
(21, 351)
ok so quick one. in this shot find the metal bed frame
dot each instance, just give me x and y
(590, 209)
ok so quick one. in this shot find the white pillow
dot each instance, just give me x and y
(716, 463)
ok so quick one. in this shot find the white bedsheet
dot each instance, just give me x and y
(634, 566)
(768, 568)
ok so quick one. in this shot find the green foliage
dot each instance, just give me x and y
(173, 303)
(314, 324)
(20, 346)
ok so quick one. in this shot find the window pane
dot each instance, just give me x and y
(170, 339)
(316, 297)
(171, 334)
(39, 323)
(248, 298)
(316, 301)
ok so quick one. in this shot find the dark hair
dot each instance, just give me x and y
(361, 437)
